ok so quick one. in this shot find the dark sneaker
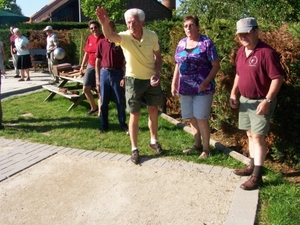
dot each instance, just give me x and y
(247, 171)
(101, 130)
(252, 183)
(92, 111)
(135, 157)
(125, 129)
(17, 76)
(156, 147)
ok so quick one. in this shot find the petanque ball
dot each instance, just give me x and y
(59, 53)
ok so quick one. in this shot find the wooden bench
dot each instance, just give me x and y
(76, 99)
(38, 58)
(55, 90)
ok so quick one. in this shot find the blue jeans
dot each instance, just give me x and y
(110, 88)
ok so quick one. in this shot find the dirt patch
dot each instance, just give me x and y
(77, 190)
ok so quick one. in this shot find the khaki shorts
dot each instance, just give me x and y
(138, 90)
(249, 120)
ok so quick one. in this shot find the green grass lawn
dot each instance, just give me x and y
(29, 118)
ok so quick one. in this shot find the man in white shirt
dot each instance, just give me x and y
(52, 44)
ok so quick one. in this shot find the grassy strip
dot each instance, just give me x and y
(30, 118)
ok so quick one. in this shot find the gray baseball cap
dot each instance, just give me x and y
(245, 25)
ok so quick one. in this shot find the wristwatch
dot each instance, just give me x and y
(268, 100)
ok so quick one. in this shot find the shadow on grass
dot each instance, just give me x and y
(37, 125)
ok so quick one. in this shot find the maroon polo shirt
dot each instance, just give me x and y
(111, 55)
(257, 70)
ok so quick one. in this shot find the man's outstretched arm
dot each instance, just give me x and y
(104, 21)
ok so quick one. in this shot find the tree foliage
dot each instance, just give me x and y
(263, 10)
(10, 6)
(114, 8)
(5, 4)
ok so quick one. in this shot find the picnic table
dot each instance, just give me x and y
(66, 76)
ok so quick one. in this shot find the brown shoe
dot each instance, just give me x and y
(247, 171)
(156, 147)
(252, 183)
(135, 158)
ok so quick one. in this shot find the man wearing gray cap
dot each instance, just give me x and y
(257, 82)
(52, 44)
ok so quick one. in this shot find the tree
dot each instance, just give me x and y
(114, 8)
(268, 11)
(5, 4)
(10, 6)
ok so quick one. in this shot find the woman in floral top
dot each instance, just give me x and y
(197, 64)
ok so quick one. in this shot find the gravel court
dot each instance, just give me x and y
(68, 189)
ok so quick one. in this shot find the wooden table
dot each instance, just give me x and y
(76, 99)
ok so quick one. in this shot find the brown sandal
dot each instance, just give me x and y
(192, 149)
(21, 79)
(204, 155)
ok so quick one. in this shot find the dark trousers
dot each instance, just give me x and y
(110, 88)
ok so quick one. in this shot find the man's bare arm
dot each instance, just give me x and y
(106, 29)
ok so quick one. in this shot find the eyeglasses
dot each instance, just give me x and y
(92, 28)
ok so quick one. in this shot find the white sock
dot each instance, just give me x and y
(153, 141)
(134, 148)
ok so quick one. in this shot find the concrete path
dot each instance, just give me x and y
(44, 184)
(10, 85)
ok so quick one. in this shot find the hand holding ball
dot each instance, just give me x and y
(153, 80)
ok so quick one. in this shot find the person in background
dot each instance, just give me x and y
(258, 80)
(23, 61)
(52, 44)
(89, 58)
(14, 56)
(110, 59)
(143, 64)
(197, 64)
(2, 58)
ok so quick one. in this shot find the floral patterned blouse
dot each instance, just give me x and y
(195, 65)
